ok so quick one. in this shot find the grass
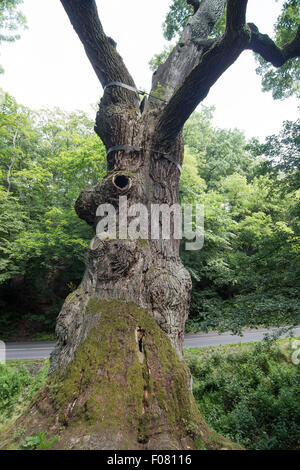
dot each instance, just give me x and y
(19, 382)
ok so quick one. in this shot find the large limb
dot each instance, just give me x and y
(100, 49)
(187, 53)
(264, 46)
(218, 58)
(212, 65)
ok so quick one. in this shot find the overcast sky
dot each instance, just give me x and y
(48, 66)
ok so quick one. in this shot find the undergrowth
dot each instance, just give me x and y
(249, 393)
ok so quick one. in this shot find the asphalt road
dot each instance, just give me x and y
(42, 350)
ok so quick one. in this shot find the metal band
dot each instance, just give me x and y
(131, 88)
(123, 147)
(123, 85)
(138, 149)
(172, 160)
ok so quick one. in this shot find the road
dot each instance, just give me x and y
(214, 339)
(42, 350)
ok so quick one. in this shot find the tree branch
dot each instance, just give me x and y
(236, 15)
(223, 53)
(277, 56)
(187, 53)
(100, 49)
(212, 65)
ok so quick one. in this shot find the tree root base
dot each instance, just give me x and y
(125, 389)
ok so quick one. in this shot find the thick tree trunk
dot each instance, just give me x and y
(117, 378)
(146, 272)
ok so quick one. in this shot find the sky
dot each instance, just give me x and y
(47, 67)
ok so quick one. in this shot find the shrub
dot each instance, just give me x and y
(249, 394)
(17, 388)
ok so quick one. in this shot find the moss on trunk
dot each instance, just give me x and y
(126, 388)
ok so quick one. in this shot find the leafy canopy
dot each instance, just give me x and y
(284, 81)
(11, 18)
(247, 272)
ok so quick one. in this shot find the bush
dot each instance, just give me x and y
(249, 394)
(248, 310)
(17, 388)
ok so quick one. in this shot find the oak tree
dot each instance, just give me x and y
(117, 377)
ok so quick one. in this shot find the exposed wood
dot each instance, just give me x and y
(188, 52)
(216, 59)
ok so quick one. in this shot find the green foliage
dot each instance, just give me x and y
(160, 58)
(247, 272)
(177, 17)
(10, 20)
(284, 81)
(219, 152)
(17, 388)
(12, 222)
(249, 394)
(38, 442)
(283, 152)
(191, 184)
(46, 159)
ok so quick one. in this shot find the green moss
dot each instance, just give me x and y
(153, 269)
(113, 388)
(107, 391)
(118, 392)
(142, 242)
(216, 441)
(93, 306)
(73, 296)
(199, 444)
(145, 423)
